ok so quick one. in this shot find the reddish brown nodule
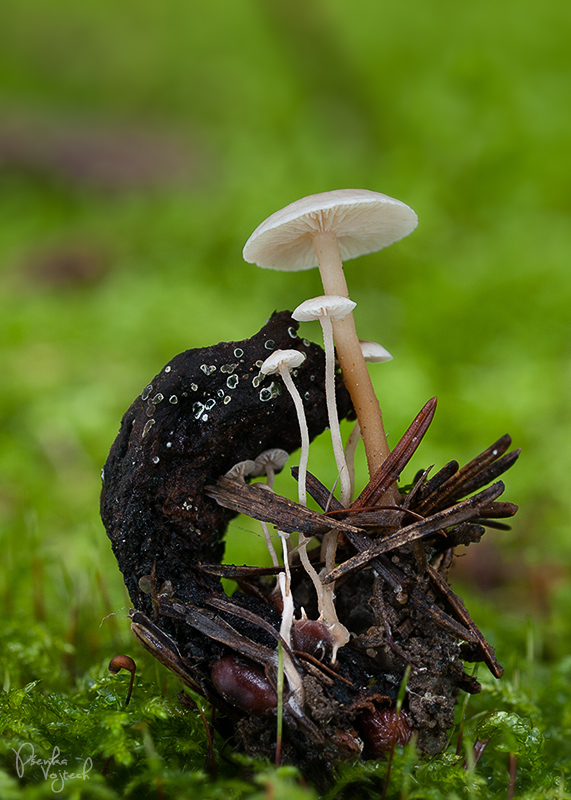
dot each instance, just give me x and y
(122, 662)
(244, 686)
(383, 729)
(312, 637)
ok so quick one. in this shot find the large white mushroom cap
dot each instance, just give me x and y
(363, 222)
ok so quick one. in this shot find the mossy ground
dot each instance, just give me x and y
(459, 110)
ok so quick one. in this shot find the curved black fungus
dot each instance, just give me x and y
(181, 434)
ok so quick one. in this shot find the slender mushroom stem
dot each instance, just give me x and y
(304, 432)
(355, 372)
(336, 441)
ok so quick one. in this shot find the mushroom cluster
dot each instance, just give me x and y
(321, 230)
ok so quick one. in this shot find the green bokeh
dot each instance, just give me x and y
(460, 110)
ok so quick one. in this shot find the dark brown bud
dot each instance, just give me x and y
(383, 729)
(312, 637)
(244, 685)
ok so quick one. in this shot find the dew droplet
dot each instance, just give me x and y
(258, 363)
(102, 473)
(269, 392)
(228, 369)
(204, 417)
(292, 332)
(232, 381)
(150, 409)
(306, 342)
(156, 460)
(197, 409)
(257, 381)
(227, 399)
(173, 399)
(169, 444)
(238, 352)
(208, 369)
(220, 392)
(307, 396)
(158, 398)
(193, 387)
(270, 344)
(210, 404)
(147, 391)
(148, 425)
(168, 369)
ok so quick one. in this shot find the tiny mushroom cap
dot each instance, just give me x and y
(282, 359)
(270, 460)
(374, 352)
(241, 469)
(363, 222)
(283, 362)
(333, 306)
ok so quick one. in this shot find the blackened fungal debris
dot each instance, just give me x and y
(166, 505)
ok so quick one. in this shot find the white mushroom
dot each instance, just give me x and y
(320, 230)
(282, 362)
(240, 470)
(269, 462)
(327, 308)
(373, 353)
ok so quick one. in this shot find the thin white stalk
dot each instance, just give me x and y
(269, 544)
(304, 455)
(287, 613)
(334, 427)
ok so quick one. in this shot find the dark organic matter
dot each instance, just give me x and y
(166, 505)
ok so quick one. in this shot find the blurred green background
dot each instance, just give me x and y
(140, 145)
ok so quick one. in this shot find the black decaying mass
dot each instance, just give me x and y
(166, 505)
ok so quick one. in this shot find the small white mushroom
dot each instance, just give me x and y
(240, 470)
(321, 230)
(269, 462)
(325, 309)
(373, 353)
(282, 362)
